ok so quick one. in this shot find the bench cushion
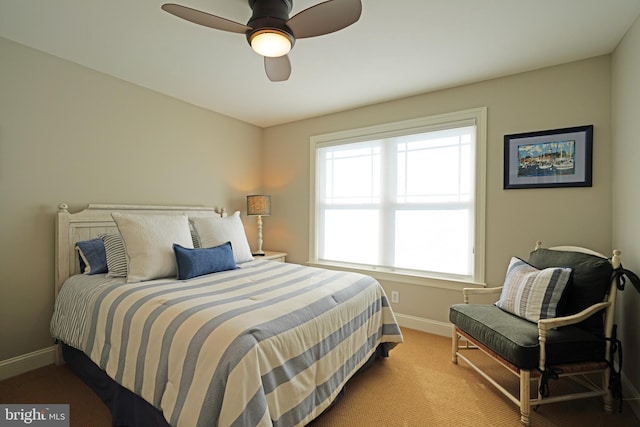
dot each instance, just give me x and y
(516, 339)
(589, 282)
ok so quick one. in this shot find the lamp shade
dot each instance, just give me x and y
(259, 205)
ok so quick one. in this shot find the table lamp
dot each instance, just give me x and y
(259, 205)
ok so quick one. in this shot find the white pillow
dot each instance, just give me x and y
(215, 231)
(148, 240)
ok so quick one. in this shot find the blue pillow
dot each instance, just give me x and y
(93, 257)
(201, 261)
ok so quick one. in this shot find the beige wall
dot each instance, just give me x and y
(569, 95)
(70, 134)
(626, 192)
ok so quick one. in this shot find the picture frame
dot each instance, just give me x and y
(549, 159)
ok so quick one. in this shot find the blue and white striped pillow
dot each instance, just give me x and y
(116, 253)
(531, 293)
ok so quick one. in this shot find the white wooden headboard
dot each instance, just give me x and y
(96, 219)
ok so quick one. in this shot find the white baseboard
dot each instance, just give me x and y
(424, 325)
(27, 362)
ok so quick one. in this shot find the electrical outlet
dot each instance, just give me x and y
(395, 297)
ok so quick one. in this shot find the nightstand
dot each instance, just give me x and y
(276, 256)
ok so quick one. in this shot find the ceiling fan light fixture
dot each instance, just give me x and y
(270, 42)
(271, 32)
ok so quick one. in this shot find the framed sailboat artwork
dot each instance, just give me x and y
(548, 159)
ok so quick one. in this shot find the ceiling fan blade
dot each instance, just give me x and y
(278, 69)
(206, 19)
(325, 18)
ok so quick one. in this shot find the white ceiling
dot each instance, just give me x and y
(397, 48)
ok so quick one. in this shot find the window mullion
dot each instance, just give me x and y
(388, 200)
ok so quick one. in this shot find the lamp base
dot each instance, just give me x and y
(260, 253)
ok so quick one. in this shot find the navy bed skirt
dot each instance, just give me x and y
(127, 409)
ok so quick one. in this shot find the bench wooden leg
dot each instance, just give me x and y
(454, 346)
(525, 397)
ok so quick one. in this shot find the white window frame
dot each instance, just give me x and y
(477, 117)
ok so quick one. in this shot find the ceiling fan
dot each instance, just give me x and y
(271, 32)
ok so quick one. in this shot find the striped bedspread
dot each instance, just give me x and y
(268, 344)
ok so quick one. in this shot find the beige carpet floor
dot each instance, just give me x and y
(416, 386)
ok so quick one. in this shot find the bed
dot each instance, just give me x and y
(197, 332)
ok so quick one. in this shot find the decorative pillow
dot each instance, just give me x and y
(198, 262)
(116, 254)
(531, 293)
(93, 256)
(148, 241)
(214, 231)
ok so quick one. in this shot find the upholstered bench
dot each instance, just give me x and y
(552, 315)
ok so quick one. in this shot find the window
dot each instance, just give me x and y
(404, 197)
